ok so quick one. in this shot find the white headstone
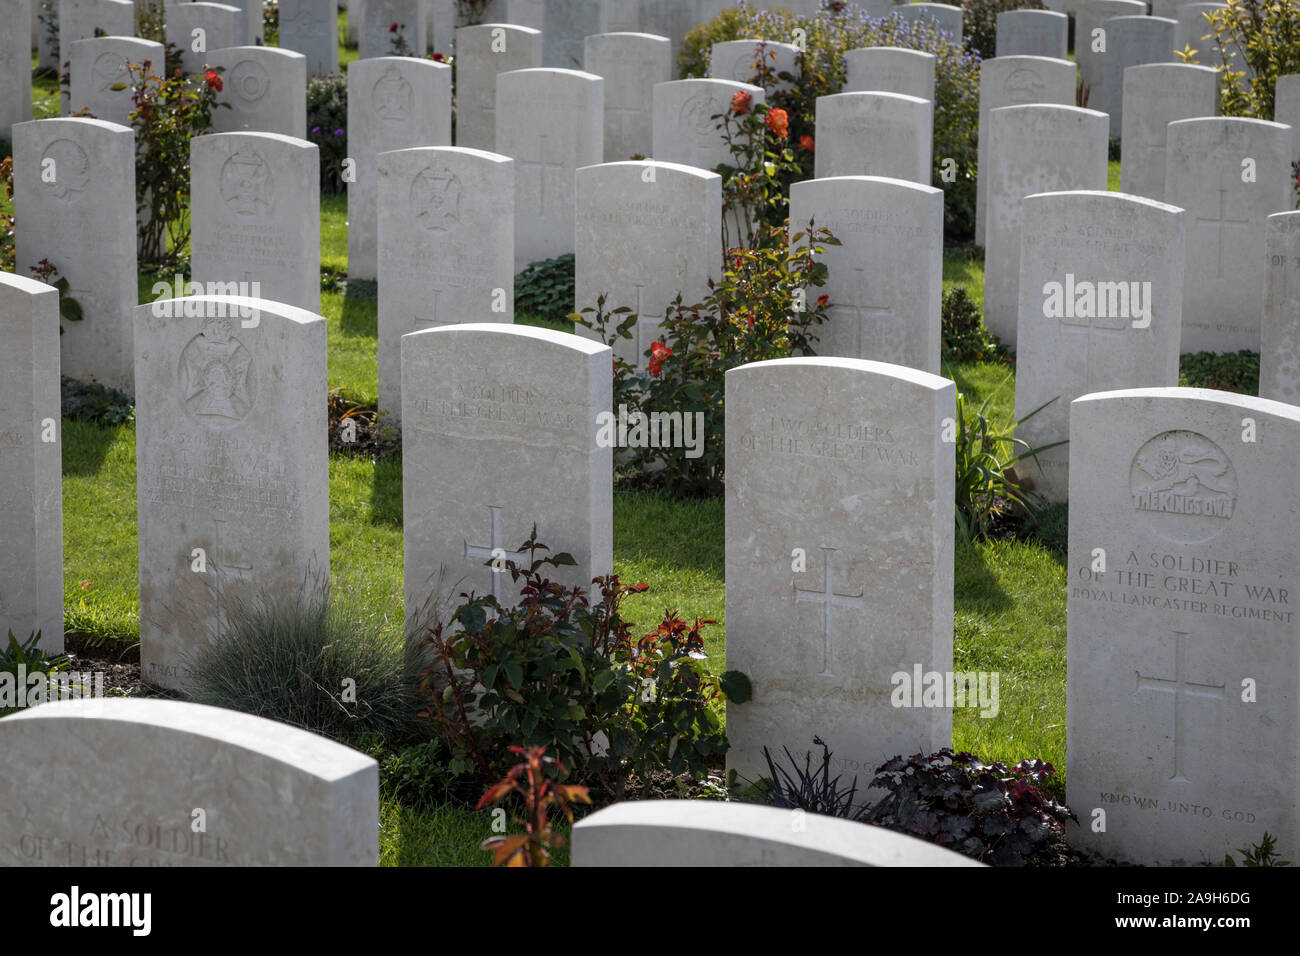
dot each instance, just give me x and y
(1035, 148)
(271, 794)
(1207, 163)
(1101, 298)
(567, 23)
(15, 77)
(31, 493)
(874, 134)
(551, 122)
(684, 128)
(1279, 355)
(631, 64)
(376, 36)
(74, 204)
(255, 201)
(1092, 47)
(231, 458)
(1015, 81)
(645, 231)
(446, 247)
(483, 52)
(394, 102)
(499, 429)
(1286, 108)
(885, 280)
(1032, 33)
(310, 27)
(1180, 656)
(266, 88)
(825, 603)
(1194, 31)
(1155, 95)
(99, 64)
(948, 17)
(1130, 41)
(740, 60)
(250, 22)
(704, 833)
(196, 29)
(890, 69)
(79, 19)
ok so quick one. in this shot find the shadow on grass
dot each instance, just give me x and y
(361, 309)
(85, 447)
(975, 586)
(386, 494)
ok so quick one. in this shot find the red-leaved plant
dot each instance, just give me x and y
(540, 793)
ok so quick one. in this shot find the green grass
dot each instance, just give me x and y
(1112, 176)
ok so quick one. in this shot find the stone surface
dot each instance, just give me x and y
(1155, 95)
(74, 204)
(394, 102)
(1279, 356)
(1224, 292)
(256, 214)
(249, 24)
(1034, 149)
(874, 134)
(1193, 30)
(310, 27)
(1032, 33)
(890, 69)
(645, 231)
(266, 88)
(100, 63)
(948, 17)
(197, 29)
(737, 60)
(1286, 108)
(1088, 46)
(1191, 619)
(1101, 297)
(551, 122)
(702, 833)
(1014, 81)
(79, 19)
(481, 54)
(15, 76)
(631, 64)
(564, 25)
(446, 248)
(499, 427)
(886, 278)
(817, 450)
(377, 39)
(231, 458)
(271, 794)
(684, 129)
(1130, 41)
(31, 479)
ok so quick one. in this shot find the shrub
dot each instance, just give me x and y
(327, 127)
(980, 22)
(151, 20)
(355, 428)
(964, 336)
(814, 791)
(546, 289)
(1263, 853)
(985, 488)
(329, 661)
(271, 22)
(756, 186)
(32, 660)
(829, 35)
(417, 775)
(761, 308)
(169, 111)
(558, 672)
(95, 403)
(1266, 33)
(539, 793)
(986, 811)
(1228, 372)
(7, 252)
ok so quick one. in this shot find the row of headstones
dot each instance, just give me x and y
(1179, 513)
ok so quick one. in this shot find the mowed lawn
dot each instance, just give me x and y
(1009, 600)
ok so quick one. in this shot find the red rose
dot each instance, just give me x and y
(393, 28)
(740, 101)
(439, 57)
(778, 122)
(806, 142)
(658, 352)
(822, 301)
(213, 79)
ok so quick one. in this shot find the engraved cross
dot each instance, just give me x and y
(1181, 688)
(1222, 220)
(495, 550)
(828, 597)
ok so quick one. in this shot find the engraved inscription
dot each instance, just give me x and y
(216, 376)
(1184, 485)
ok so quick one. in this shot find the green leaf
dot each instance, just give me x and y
(514, 673)
(736, 685)
(70, 309)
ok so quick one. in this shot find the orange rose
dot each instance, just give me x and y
(806, 142)
(778, 122)
(740, 102)
(658, 352)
